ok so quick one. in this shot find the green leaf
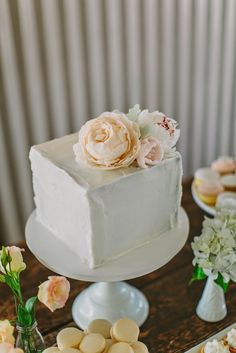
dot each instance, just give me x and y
(24, 317)
(197, 275)
(220, 281)
(30, 304)
(9, 280)
(2, 278)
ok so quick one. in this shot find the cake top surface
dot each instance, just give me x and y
(114, 145)
(60, 152)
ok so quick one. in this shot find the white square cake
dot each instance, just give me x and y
(103, 214)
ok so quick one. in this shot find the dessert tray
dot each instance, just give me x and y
(209, 209)
(109, 298)
(218, 335)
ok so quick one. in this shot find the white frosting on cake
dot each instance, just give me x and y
(101, 215)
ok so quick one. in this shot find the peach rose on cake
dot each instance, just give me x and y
(6, 332)
(161, 127)
(54, 292)
(150, 153)
(110, 141)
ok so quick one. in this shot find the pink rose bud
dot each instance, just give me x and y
(54, 292)
(150, 153)
(17, 262)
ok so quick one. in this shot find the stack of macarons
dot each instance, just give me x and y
(229, 182)
(224, 165)
(208, 185)
(214, 180)
(225, 345)
(100, 337)
(226, 200)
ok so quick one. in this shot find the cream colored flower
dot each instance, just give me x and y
(54, 292)
(9, 348)
(17, 263)
(110, 141)
(6, 332)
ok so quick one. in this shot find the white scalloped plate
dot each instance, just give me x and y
(218, 335)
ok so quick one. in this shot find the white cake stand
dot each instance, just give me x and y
(109, 298)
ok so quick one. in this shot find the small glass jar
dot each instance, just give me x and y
(29, 339)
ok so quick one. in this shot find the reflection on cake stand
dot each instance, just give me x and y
(109, 297)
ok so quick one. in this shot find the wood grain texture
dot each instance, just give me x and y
(172, 326)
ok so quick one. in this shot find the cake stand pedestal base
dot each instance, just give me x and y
(111, 301)
(108, 298)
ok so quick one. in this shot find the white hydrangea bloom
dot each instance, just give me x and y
(215, 249)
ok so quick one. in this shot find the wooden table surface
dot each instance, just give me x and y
(172, 325)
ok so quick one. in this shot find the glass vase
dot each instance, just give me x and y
(29, 339)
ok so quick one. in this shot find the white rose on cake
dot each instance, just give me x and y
(161, 127)
(159, 135)
(110, 141)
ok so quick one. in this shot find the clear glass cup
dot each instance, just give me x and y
(29, 339)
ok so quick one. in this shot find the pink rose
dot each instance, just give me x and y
(6, 332)
(54, 292)
(9, 348)
(151, 152)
